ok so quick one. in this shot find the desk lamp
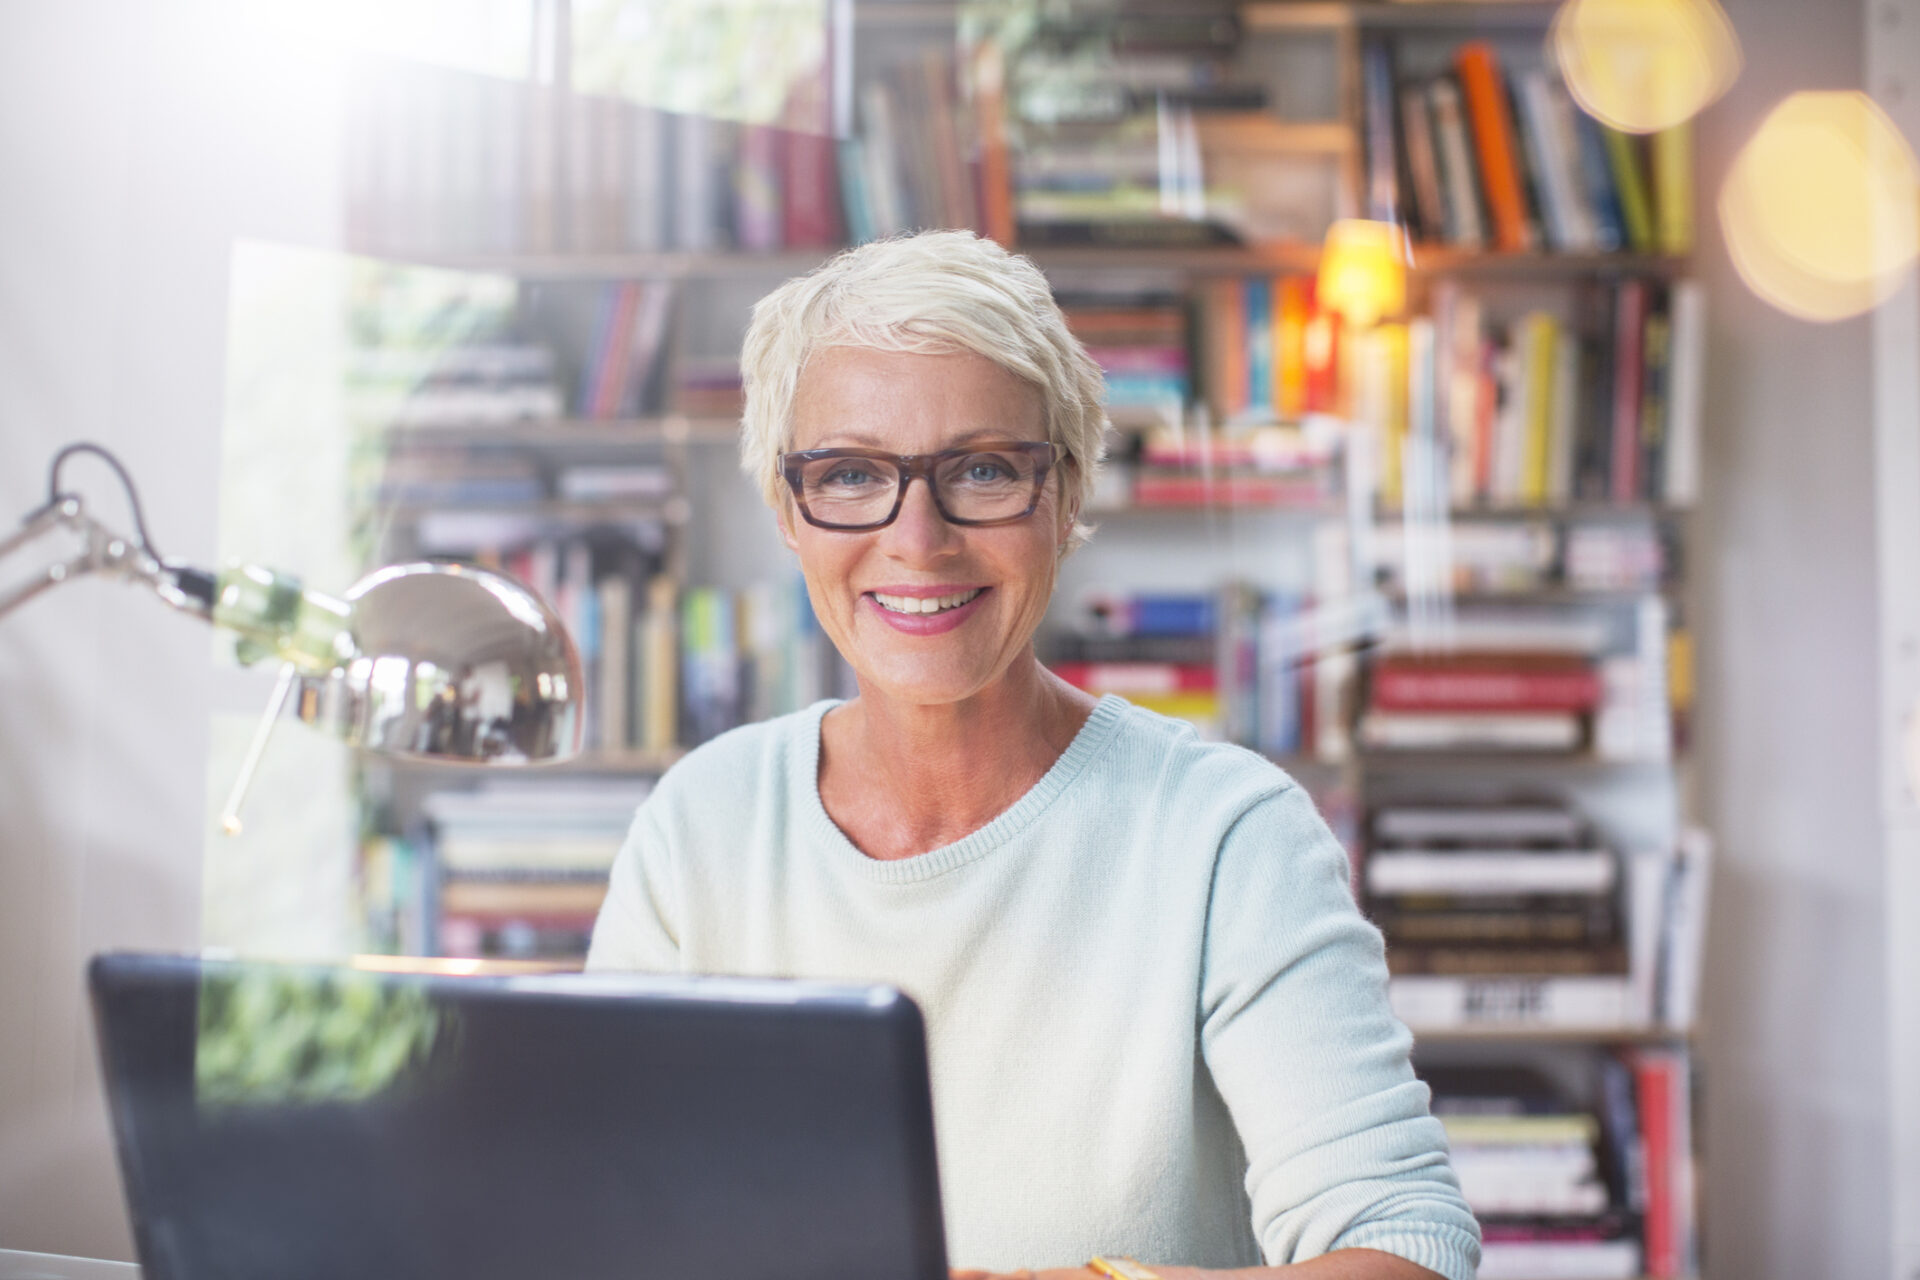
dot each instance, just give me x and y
(434, 661)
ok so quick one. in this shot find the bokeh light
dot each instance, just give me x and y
(1363, 270)
(1644, 65)
(1821, 209)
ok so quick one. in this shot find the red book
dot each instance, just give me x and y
(1629, 361)
(809, 173)
(1139, 677)
(1654, 1082)
(1485, 91)
(1321, 350)
(1292, 311)
(1484, 685)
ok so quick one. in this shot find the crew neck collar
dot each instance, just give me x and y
(1087, 744)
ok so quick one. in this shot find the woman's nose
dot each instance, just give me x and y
(919, 530)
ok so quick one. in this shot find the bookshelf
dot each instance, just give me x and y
(1283, 557)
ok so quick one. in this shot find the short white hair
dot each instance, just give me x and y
(929, 293)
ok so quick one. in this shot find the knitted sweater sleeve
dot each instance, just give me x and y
(1302, 1045)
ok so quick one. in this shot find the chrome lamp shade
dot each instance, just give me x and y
(454, 663)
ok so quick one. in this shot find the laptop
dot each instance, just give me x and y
(283, 1122)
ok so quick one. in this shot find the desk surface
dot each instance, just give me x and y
(48, 1266)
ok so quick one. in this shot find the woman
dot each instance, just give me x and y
(1157, 1024)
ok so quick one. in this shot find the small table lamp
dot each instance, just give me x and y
(438, 661)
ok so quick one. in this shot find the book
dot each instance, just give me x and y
(1483, 89)
(1458, 731)
(1462, 824)
(1517, 959)
(1686, 380)
(1467, 872)
(1471, 682)
(1630, 188)
(1423, 164)
(1139, 677)
(1671, 150)
(1629, 362)
(1588, 920)
(1559, 1260)
(1430, 1001)
(486, 897)
(1459, 168)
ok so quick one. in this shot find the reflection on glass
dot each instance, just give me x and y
(1645, 65)
(273, 1038)
(755, 61)
(1821, 209)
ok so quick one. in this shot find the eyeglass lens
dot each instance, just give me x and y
(971, 486)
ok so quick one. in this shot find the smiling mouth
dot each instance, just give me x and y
(924, 604)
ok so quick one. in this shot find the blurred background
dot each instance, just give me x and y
(1516, 437)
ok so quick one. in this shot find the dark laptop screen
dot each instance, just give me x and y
(278, 1122)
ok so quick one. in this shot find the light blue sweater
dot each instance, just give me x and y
(1157, 1024)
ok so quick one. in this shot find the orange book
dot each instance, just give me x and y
(1293, 306)
(1493, 140)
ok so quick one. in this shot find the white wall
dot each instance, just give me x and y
(136, 142)
(1796, 1084)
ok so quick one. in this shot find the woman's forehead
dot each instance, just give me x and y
(910, 402)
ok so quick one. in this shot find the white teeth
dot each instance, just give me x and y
(924, 604)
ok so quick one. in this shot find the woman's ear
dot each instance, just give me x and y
(783, 516)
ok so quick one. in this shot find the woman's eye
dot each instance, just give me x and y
(986, 472)
(849, 477)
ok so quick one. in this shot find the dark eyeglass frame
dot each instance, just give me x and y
(921, 465)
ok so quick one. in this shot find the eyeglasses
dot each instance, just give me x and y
(856, 489)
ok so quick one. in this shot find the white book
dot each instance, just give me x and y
(1560, 1260)
(646, 196)
(1484, 824)
(1496, 630)
(1648, 875)
(881, 157)
(616, 663)
(1429, 1001)
(1405, 871)
(1684, 941)
(1430, 731)
(695, 193)
(1686, 372)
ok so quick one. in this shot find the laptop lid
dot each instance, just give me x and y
(282, 1122)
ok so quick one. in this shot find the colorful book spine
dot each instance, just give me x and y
(1485, 93)
(1257, 299)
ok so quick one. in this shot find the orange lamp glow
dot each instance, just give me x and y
(1821, 209)
(1644, 65)
(1363, 271)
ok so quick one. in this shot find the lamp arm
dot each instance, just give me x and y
(101, 551)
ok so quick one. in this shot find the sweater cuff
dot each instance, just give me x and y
(1452, 1252)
